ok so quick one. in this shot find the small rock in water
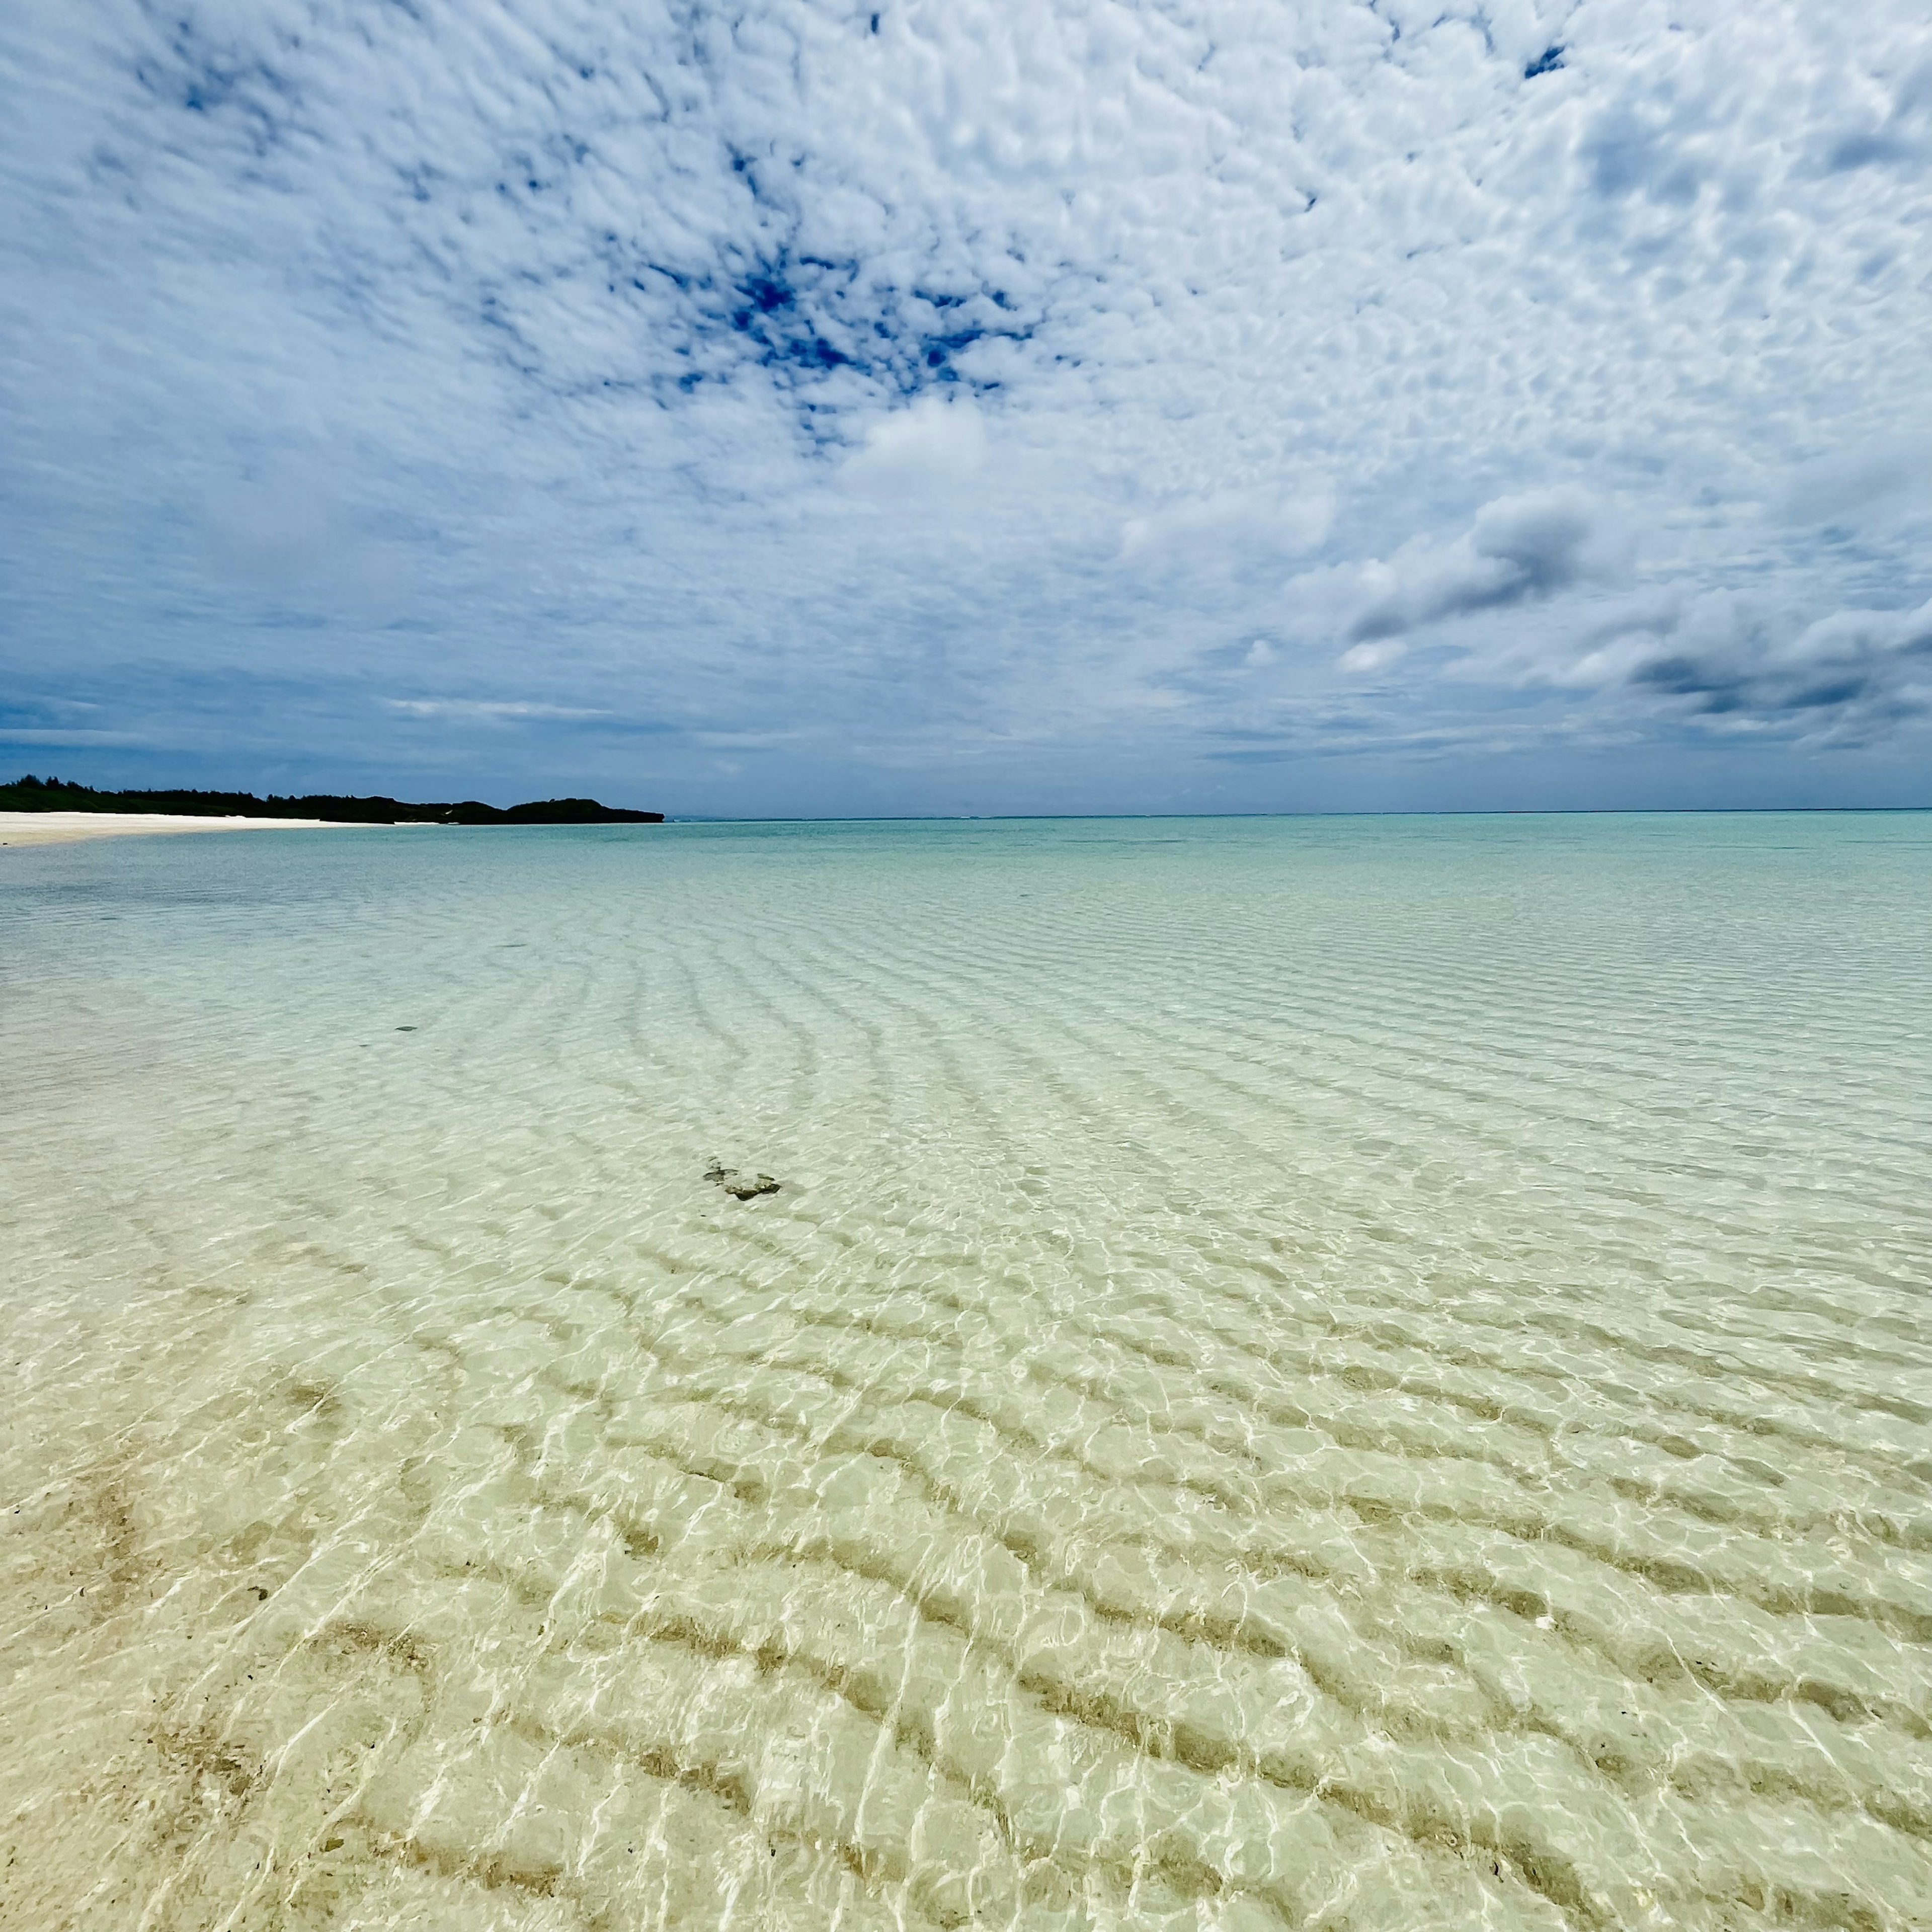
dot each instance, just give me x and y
(740, 1186)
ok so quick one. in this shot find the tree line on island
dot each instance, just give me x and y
(30, 793)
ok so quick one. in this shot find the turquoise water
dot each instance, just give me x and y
(1350, 1373)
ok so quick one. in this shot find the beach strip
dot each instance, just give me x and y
(63, 828)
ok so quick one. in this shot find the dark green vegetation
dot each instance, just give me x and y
(32, 794)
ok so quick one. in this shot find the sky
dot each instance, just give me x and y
(792, 408)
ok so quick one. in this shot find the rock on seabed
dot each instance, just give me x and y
(741, 1186)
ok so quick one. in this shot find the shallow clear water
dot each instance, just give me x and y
(1364, 1373)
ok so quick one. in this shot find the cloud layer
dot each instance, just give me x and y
(908, 406)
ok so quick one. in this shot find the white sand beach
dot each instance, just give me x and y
(63, 828)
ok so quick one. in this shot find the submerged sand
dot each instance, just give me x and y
(1300, 1376)
(64, 828)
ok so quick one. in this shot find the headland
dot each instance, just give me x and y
(43, 811)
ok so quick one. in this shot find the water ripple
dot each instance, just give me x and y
(1315, 1374)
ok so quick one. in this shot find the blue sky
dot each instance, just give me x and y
(806, 408)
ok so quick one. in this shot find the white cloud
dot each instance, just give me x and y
(1362, 658)
(981, 380)
(488, 708)
(1285, 525)
(935, 440)
(1886, 476)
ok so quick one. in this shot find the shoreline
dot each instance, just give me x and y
(68, 828)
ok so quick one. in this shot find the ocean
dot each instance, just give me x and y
(1331, 1372)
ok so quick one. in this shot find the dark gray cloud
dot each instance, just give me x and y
(1519, 548)
(801, 406)
(1849, 677)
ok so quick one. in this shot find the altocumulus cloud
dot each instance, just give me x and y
(970, 407)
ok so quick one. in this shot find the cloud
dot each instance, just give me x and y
(1720, 663)
(1849, 676)
(1870, 477)
(485, 708)
(1519, 549)
(1887, 127)
(934, 442)
(1278, 524)
(18, 735)
(1367, 657)
(965, 393)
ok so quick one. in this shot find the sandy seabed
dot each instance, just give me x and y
(1368, 1376)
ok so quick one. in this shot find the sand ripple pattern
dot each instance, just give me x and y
(1364, 1374)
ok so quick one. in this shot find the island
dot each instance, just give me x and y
(30, 793)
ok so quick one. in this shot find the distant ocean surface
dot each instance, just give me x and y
(1342, 1373)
